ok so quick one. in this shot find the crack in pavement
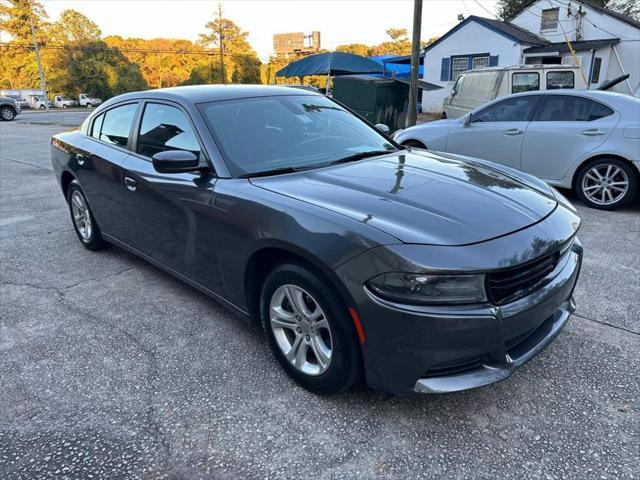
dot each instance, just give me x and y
(607, 324)
(50, 169)
(36, 234)
(153, 424)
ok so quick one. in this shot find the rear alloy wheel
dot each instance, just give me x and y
(7, 114)
(606, 184)
(84, 222)
(309, 329)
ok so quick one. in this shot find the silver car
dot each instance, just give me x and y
(588, 141)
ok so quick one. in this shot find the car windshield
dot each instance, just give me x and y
(279, 133)
(65, 98)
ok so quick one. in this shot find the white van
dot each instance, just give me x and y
(477, 87)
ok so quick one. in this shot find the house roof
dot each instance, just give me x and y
(506, 29)
(578, 46)
(607, 11)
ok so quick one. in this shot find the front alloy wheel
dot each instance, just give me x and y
(301, 330)
(309, 329)
(7, 114)
(606, 184)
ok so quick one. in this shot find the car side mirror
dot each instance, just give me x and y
(175, 161)
(466, 120)
(383, 128)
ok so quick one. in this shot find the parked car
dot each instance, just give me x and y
(420, 272)
(89, 101)
(60, 101)
(477, 87)
(39, 102)
(588, 141)
(9, 108)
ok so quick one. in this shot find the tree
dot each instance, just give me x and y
(73, 28)
(399, 44)
(241, 63)
(397, 34)
(355, 48)
(16, 17)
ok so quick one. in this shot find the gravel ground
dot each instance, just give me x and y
(110, 368)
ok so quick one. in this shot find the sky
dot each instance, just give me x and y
(339, 21)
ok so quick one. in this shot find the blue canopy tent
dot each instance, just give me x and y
(395, 66)
(330, 63)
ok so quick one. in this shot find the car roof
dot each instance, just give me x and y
(616, 100)
(211, 93)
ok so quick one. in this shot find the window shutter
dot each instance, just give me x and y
(493, 61)
(445, 71)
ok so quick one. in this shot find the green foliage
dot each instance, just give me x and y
(241, 64)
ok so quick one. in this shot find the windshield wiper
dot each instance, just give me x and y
(360, 156)
(275, 171)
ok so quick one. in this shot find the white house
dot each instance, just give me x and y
(598, 36)
(606, 43)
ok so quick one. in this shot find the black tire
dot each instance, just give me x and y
(89, 105)
(7, 113)
(94, 241)
(345, 367)
(65, 106)
(444, 115)
(415, 144)
(42, 107)
(624, 200)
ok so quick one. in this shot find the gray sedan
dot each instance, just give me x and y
(583, 140)
(361, 260)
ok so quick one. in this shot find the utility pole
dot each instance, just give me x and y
(43, 85)
(415, 63)
(221, 42)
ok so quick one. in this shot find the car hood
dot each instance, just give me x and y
(420, 197)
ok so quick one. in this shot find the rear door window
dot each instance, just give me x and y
(116, 125)
(565, 108)
(525, 82)
(517, 109)
(557, 80)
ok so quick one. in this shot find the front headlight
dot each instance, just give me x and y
(426, 289)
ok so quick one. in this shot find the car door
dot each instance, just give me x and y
(565, 130)
(98, 162)
(496, 132)
(170, 214)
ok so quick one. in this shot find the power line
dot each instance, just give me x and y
(484, 8)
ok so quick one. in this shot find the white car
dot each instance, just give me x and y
(89, 101)
(60, 101)
(583, 140)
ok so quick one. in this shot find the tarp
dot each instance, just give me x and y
(333, 63)
(396, 69)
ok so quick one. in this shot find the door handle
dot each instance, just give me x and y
(80, 158)
(513, 131)
(592, 132)
(130, 183)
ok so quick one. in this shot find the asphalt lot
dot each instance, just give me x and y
(110, 368)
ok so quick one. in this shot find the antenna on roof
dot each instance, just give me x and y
(460, 17)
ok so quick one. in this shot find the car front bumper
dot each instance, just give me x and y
(439, 349)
